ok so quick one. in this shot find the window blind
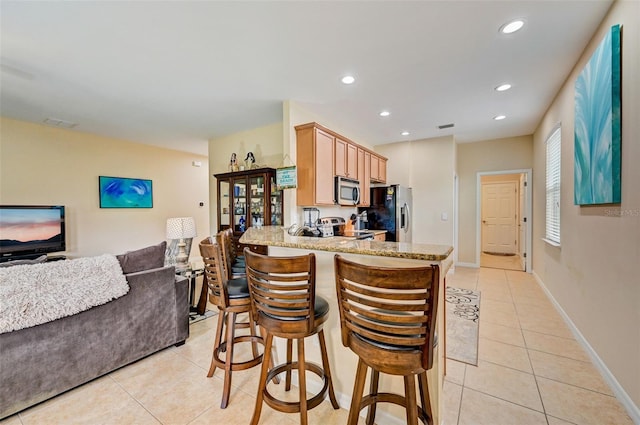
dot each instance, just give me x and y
(552, 233)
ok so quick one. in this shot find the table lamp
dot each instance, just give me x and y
(181, 228)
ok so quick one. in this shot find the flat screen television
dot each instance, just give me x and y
(28, 231)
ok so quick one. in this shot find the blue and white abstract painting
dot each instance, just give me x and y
(598, 125)
(122, 192)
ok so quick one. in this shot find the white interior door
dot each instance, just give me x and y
(499, 217)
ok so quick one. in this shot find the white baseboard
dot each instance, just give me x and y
(620, 393)
(471, 265)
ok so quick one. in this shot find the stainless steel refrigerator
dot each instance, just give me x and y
(390, 210)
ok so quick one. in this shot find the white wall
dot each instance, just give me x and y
(428, 167)
(46, 165)
(265, 143)
(593, 276)
(513, 153)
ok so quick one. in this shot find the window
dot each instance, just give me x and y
(552, 233)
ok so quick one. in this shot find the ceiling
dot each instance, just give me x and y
(177, 73)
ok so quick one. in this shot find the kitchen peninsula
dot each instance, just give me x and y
(384, 254)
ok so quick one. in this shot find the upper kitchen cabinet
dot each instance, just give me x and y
(378, 169)
(315, 165)
(346, 159)
(322, 155)
(364, 176)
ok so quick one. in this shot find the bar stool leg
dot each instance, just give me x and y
(231, 324)
(287, 385)
(410, 395)
(216, 343)
(302, 382)
(424, 397)
(327, 370)
(252, 332)
(358, 387)
(266, 360)
(373, 391)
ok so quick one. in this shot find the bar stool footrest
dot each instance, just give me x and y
(294, 406)
(370, 399)
(235, 366)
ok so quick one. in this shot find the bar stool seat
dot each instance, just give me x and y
(285, 305)
(387, 318)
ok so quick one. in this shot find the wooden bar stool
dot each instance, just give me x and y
(284, 302)
(231, 297)
(388, 318)
(234, 266)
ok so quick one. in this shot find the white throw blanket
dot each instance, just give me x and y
(38, 293)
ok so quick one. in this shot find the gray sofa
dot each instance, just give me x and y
(43, 361)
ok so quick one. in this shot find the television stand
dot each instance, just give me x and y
(56, 258)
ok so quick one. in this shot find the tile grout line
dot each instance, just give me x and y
(535, 378)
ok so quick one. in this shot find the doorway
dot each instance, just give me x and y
(504, 225)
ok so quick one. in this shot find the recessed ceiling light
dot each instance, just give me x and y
(348, 79)
(512, 26)
(503, 87)
(385, 113)
(499, 117)
(405, 133)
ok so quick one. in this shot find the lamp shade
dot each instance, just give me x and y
(181, 228)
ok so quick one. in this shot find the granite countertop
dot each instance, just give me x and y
(278, 236)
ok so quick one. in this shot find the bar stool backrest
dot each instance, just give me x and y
(214, 273)
(225, 242)
(389, 308)
(283, 291)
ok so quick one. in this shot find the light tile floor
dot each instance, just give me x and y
(530, 371)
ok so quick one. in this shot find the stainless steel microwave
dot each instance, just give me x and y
(347, 191)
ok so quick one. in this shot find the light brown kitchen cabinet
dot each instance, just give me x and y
(323, 154)
(346, 159)
(248, 198)
(315, 165)
(364, 175)
(378, 169)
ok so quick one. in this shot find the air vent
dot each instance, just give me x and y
(55, 122)
(442, 127)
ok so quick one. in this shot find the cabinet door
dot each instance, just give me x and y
(382, 170)
(374, 167)
(239, 204)
(276, 205)
(352, 161)
(256, 200)
(364, 170)
(224, 205)
(324, 175)
(341, 158)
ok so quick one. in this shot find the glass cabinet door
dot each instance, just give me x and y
(256, 183)
(239, 205)
(225, 205)
(276, 204)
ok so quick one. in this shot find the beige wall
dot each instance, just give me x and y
(45, 165)
(428, 167)
(265, 143)
(514, 153)
(593, 276)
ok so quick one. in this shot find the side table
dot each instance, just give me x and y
(192, 274)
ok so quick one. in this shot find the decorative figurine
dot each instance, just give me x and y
(250, 160)
(233, 163)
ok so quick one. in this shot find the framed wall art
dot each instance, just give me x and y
(123, 192)
(598, 125)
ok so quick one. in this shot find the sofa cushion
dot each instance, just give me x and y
(40, 259)
(151, 257)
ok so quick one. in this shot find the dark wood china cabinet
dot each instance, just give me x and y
(247, 199)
